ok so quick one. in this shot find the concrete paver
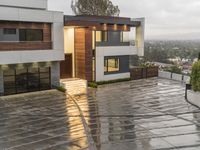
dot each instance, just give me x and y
(144, 115)
(137, 115)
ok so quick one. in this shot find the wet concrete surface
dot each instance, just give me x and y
(141, 115)
(137, 115)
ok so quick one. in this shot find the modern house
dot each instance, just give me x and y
(31, 46)
(98, 48)
(38, 46)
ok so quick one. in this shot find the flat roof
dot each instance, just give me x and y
(86, 20)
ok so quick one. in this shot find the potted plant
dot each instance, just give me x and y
(194, 94)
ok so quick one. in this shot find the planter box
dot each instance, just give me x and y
(152, 72)
(193, 97)
(141, 73)
(136, 73)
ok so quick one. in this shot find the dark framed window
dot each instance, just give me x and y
(26, 80)
(101, 36)
(9, 31)
(104, 36)
(111, 65)
(30, 34)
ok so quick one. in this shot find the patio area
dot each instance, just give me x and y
(136, 115)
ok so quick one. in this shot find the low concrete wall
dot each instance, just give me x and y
(174, 76)
(193, 97)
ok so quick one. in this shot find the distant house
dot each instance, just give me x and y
(38, 46)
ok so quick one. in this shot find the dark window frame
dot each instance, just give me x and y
(106, 61)
(103, 35)
(25, 38)
(16, 88)
(9, 31)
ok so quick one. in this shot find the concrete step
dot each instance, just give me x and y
(74, 86)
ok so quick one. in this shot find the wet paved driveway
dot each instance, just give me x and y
(141, 115)
(137, 115)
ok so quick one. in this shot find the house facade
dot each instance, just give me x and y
(38, 46)
(99, 48)
(31, 46)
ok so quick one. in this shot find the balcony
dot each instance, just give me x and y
(128, 43)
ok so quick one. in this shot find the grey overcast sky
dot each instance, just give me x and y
(165, 19)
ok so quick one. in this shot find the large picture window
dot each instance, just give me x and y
(31, 35)
(26, 80)
(111, 65)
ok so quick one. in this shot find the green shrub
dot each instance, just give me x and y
(95, 84)
(195, 76)
(61, 89)
(174, 69)
(147, 65)
(113, 81)
(92, 84)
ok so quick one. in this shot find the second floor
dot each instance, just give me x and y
(30, 33)
(104, 32)
(15, 36)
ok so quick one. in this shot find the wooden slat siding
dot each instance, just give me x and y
(88, 56)
(83, 53)
(16, 46)
(79, 52)
(13, 46)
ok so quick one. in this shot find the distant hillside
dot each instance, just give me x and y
(161, 51)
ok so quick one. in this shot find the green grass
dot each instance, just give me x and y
(61, 89)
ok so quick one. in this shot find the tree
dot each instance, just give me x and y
(195, 76)
(94, 7)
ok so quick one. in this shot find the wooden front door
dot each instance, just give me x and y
(66, 67)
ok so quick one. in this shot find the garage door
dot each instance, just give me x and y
(26, 80)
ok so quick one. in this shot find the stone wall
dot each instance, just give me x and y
(55, 73)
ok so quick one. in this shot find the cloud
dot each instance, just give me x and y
(164, 18)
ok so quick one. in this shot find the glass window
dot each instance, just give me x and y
(111, 65)
(101, 36)
(9, 31)
(104, 36)
(124, 36)
(26, 80)
(31, 35)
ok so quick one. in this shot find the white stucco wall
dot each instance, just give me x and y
(39, 4)
(32, 15)
(101, 52)
(139, 36)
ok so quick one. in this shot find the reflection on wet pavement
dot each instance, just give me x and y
(141, 115)
(136, 115)
(44, 120)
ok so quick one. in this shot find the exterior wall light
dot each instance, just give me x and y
(105, 27)
(125, 27)
(115, 26)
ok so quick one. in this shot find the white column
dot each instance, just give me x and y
(139, 37)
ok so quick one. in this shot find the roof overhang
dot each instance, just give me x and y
(98, 20)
